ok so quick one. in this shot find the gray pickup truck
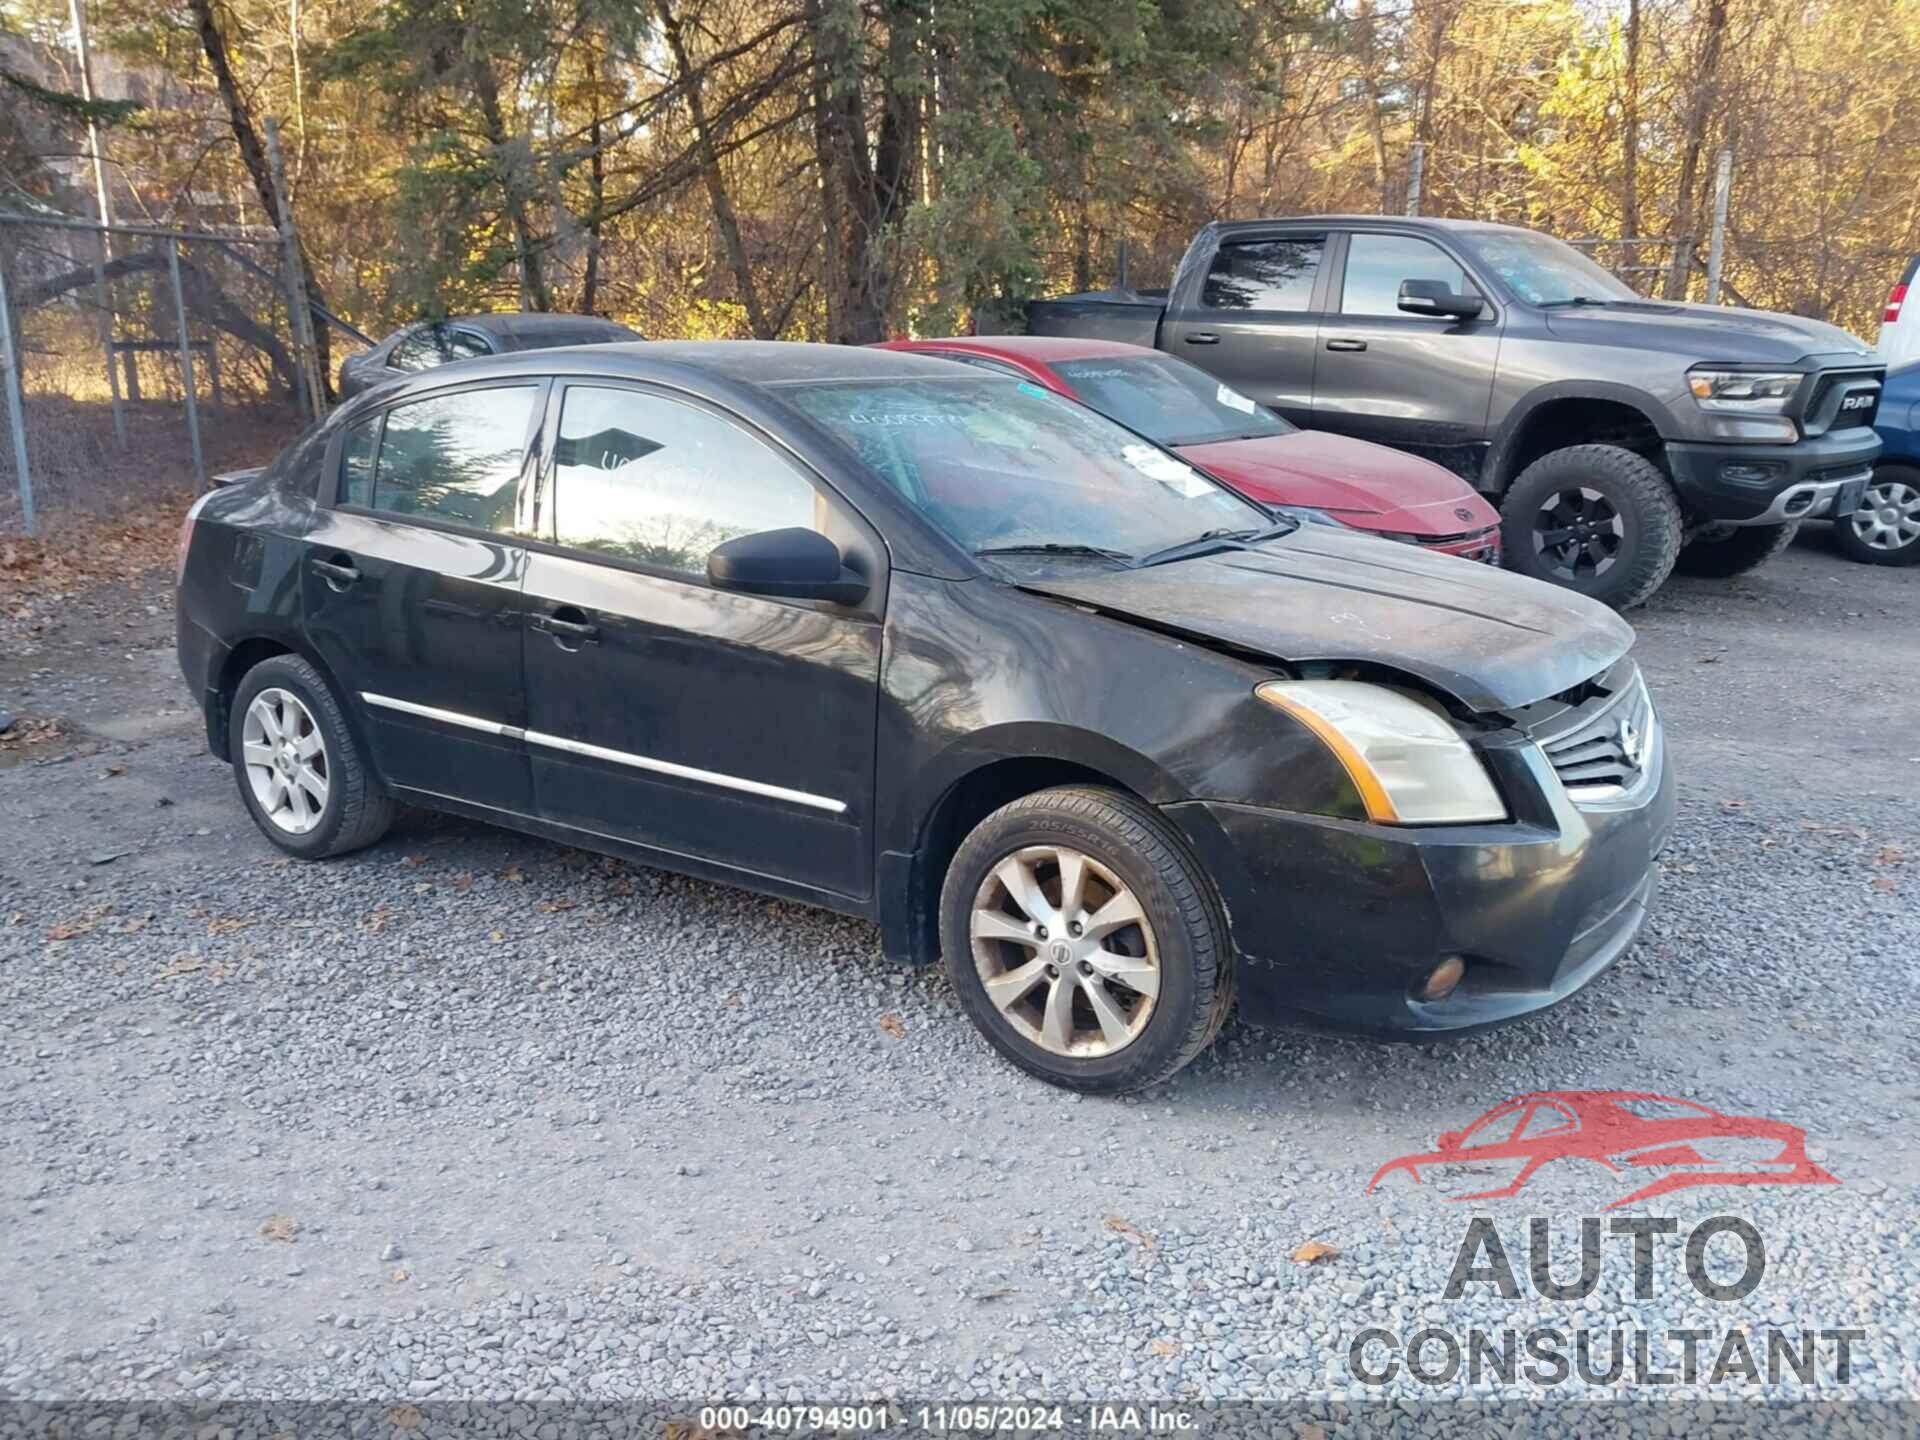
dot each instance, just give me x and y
(1619, 436)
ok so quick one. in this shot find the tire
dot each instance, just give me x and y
(1618, 515)
(1891, 536)
(1725, 550)
(1180, 941)
(285, 714)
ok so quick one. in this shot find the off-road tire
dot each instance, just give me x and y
(1720, 554)
(1850, 543)
(1190, 929)
(357, 811)
(1636, 489)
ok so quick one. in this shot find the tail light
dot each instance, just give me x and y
(186, 537)
(1895, 298)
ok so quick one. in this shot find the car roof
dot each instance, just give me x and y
(1045, 349)
(529, 323)
(1382, 222)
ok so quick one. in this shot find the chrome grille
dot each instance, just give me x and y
(1605, 750)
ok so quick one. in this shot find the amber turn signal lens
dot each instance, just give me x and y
(1445, 978)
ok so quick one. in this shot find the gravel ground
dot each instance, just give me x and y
(469, 1116)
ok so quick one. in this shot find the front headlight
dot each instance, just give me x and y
(1745, 392)
(1407, 761)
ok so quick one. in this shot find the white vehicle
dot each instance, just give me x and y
(1900, 324)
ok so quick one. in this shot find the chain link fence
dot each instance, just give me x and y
(137, 362)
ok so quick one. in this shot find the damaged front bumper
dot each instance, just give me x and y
(1337, 924)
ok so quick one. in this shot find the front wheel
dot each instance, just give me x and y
(1720, 551)
(1085, 941)
(1593, 518)
(1885, 530)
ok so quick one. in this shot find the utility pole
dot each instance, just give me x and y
(103, 252)
(1717, 245)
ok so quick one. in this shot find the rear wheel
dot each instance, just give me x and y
(1723, 550)
(1085, 941)
(301, 772)
(1885, 530)
(1598, 519)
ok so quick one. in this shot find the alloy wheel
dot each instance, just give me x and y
(286, 760)
(1888, 517)
(1065, 952)
(1578, 534)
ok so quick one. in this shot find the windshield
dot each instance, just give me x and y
(996, 463)
(1543, 270)
(1168, 401)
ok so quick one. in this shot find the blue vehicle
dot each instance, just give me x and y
(1885, 530)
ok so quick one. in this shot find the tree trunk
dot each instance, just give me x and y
(724, 218)
(533, 280)
(596, 190)
(1699, 113)
(1630, 145)
(254, 155)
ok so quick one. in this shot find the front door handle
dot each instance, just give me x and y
(338, 572)
(1203, 337)
(569, 627)
(1346, 344)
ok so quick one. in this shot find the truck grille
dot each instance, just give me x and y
(1601, 749)
(1858, 391)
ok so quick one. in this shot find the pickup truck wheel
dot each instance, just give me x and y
(1885, 530)
(1085, 940)
(1593, 518)
(1722, 550)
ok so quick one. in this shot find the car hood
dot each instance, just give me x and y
(1490, 639)
(1348, 478)
(1706, 333)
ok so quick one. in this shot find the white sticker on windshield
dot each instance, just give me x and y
(1233, 399)
(1177, 477)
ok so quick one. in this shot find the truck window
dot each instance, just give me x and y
(1377, 264)
(1264, 274)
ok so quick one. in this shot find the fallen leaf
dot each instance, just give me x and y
(999, 1292)
(112, 770)
(893, 1025)
(548, 907)
(401, 1274)
(1164, 1347)
(1886, 884)
(227, 924)
(405, 1417)
(1890, 855)
(496, 936)
(463, 881)
(514, 874)
(280, 1227)
(70, 929)
(409, 859)
(180, 965)
(1132, 1232)
(1313, 1252)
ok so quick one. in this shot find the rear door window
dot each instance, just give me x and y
(455, 457)
(1275, 274)
(356, 462)
(660, 483)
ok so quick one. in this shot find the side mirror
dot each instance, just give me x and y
(795, 564)
(1436, 297)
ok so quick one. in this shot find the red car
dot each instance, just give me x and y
(1675, 1143)
(1246, 445)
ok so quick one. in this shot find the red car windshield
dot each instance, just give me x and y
(1167, 400)
(997, 463)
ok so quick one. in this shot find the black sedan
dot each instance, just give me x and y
(938, 648)
(469, 337)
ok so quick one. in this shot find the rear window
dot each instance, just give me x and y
(449, 457)
(1168, 401)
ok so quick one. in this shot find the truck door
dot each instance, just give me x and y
(1253, 317)
(1417, 382)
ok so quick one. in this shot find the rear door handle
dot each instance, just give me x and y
(1346, 344)
(1203, 337)
(567, 624)
(337, 572)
